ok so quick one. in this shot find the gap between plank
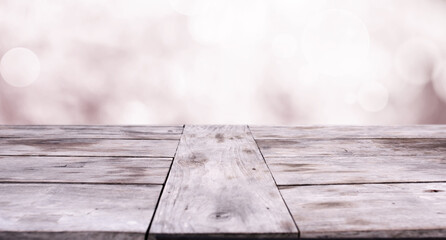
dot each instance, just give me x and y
(82, 156)
(98, 138)
(146, 236)
(290, 139)
(82, 183)
(284, 186)
(264, 160)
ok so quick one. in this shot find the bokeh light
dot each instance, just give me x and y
(135, 112)
(230, 23)
(415, 60)
(190, 7)
(284, 46)
(373, 96)
(19, 67)
(336, 42)
(223, 61)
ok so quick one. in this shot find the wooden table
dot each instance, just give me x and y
(222, 182)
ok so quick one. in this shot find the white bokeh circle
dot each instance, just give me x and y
(336, 42)
(20, 67)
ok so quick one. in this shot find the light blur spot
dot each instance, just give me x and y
(439, 80)
(284, 46)
(135, 112)
(336, 42)
(308, 76)
(132, 222)
(19, 67)
(190, 7)
(415, 60)
(214, 63)
(230, 23)
(373, 96)
(350, 98)
(298, 11)
(137, 8)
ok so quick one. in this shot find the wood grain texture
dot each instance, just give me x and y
(84, 169)
(329, 132)
(219, 184)
(92, 210)
(369, 210)
(87, 147)
(350, 169)
(84, 131)
(71, 235)
(352, 147)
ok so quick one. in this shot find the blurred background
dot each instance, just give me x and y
(282, 62)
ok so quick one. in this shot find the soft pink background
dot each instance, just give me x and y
(170, 62)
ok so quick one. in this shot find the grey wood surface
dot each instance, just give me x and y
(84, 169)
(102, 211)
(82, 182)
(220, 184)
(352, 147)
(369, 210)
(329, 132)
(103, 182)
(87, 147)
(72, 235)
(351, 169)
(91, 131)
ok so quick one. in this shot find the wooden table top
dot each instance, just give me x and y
(222, 182)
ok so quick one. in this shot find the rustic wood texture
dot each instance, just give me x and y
(369, 210)
(33, 210)
(87, 147)
(103, 182)
(84, 169)
(71, 235)
(219, 184)
(374, 169)
(82, 182)
(329, 177)
(329, 132)
(352, 147)
(99, 131)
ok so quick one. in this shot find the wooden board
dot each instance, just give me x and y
(84, 169)
(102, 211)
(352, 147)
(103, 182)
(79, 131)
(87, 147)
(350, 169)
(369, 210)
(220, 185)
(71, 235)
(329, 132)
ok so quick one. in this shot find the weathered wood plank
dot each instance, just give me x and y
(369, 211)
(100, 211)
(84, 169)
(71, 235)
(352, 147)
(219, 184)
(87, 147)
(328, 132)
(78, 131)
(373, 169)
